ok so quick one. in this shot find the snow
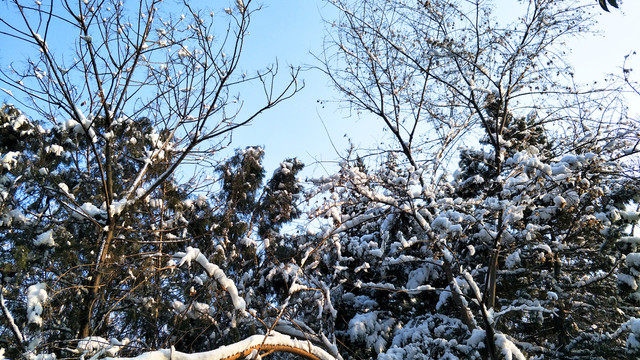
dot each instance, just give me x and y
(184, 52)
(36, 296)
(244, 347)
(441, 223)
(476, 339)
(376, 252)
(472, 284)
(116, 207)
(201, 200)
(633, 260)
(73, 126)
(374, 331)
(634, 325)
(386, 286)
(296, 287)
(213, 271)
(419, 289)
(628, 280)
(89, 210)
(55, 149)
(472, 250)
(633, 341)
(17, 122)
(364, 267)
(9, 160)
(32, 356)
(513, 260)
(178, 306)
(630, 239)
(509, 349)
(190, 255)
(94, 344)
(14, 216)
(240, 5)
(10, 320)
(45, 238)
(630, 215)
(248, 242)
(544, 247)
(362, 302)
(443, 299)
(432, 337)
(82, 127)
(418, 277)
(65, 190)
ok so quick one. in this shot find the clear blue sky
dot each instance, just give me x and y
(292, 31)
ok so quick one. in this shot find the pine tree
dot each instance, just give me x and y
(51, 231)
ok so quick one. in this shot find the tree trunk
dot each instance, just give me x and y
(94, 286)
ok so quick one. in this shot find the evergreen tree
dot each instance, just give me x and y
(51, 231)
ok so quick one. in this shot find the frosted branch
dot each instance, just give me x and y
(275, 342)
(10, 320)
(215, 272)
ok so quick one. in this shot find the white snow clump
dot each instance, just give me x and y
(36, 296)
(215, 272)
(46, 238)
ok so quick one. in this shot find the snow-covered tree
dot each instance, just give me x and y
(526, 248)
(186, 268)
(499, 222)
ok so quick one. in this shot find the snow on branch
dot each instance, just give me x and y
(36, 297)
(251, 346)
(215, 272)
(7, 314)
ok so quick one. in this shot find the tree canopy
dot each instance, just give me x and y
(499, 220)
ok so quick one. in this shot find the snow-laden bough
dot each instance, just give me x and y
(274, 342)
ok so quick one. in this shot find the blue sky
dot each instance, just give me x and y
(291, 30)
